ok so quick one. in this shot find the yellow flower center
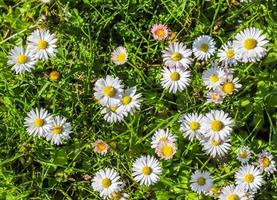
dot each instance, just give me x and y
(176, 56)
(204, 47)
(116, 196)
(265, 162)
(243, 154)
(167, 150)
(160, 32)
(57, 129)
(233, 197)
(22, 59)
(106, 182)
(175, 76)
(121, 57)
(215, 96)
(230, 53)
(146, 170)
(101, 146)
(250, 43)
(216, 125)
(194, 125)
(38, 122)
(228, 87)
(214, 190)
(248, 178)
(113, 108)
(126, 100)
(216, 143)
(214, 78)
(54, 75)
(201, 181)
(109, 91)
(42, 44)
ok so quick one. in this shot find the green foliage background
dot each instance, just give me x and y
(87, 32)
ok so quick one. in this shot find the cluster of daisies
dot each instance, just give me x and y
(41, 45)
(40, 123)
(116, 101)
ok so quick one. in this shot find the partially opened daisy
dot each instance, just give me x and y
(249, 177)
(203, 47)
(201, 182)
(266, 162)
(230, 85)
(232, 192)
(216, 148)
(250, 45)
(166, 150)
(130, 100)
(162, 135)
(100, 147)
(191, 125)
(244, 154)
(114, 113)
(119, 196)
(38, 122)
(215, 96)
(107, 182)
(108, 91)
(147, 170)
(213, 77)
(227, 54)
(217, 125)
(175, 79)
(21, 60)
(159, 31)
(42, 44)
(120, 55)
(60, 130)
(177, 55)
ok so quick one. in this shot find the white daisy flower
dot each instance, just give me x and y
(60, 130)
(191, 125)
(21, 60)
(119, 196)
(177, 55)
(230, 85)
(38, 122)
(120, 55)
(162, 135)
(217, 125)
(216, 148)
(249, 177)
(175, 79)
(266, 162)
(100, 147)
(213, 77)
(146, 170)
(108, 91)
(244, 154)
(232, 192)
(201, 182)
(45, 1)
(227, 54)
(114, 113)
(214, 96)
(107, 182)
(130, 100)
(203, 47)
(42, 44)
(166, 150)
(250, 45)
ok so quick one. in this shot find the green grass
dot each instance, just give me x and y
(87, 32)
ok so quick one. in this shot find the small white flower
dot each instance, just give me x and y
(213, 77)
(107, 182)
(250, 45)
(60, 130)
(42, 44)
(21, 60)
(249, 177)
(120, 55)
(227, 54)
(175, 79)
(215, 96)
(100, 147)
(191, 125)
(162, 135)
(201, 182)
(146, 170)
(217, 125)
(266, 162)
(216, 148)
(38, 122)
(244, 154)
(230, 85)
(130, 101)
(166, 150)
(177, 55)
(108, 91)
(203, 47)
(113, 113)
(119, 196)
(232, 192)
